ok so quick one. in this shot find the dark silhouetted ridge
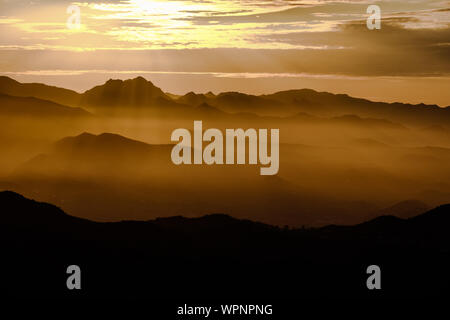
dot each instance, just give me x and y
(208, 256)
(25, 212)
(406, 209)
(28, 211)
(437, 217)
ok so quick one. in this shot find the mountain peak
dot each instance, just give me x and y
(137, 80)
(140, 78)
(137, 92)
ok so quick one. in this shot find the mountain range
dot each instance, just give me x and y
(142, 94)
(356, 187)
(171, 257)
(335, 167)
(122, 177)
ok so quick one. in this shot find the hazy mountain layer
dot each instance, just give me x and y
(341, 159)
(115, 95)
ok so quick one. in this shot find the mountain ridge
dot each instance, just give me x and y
(434, 215)
(59, 95)
(141, 92)
(32, 106)
(177, 256)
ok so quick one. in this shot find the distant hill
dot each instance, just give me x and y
(109, 145)
(322, 104)
(122, 177)
(216, 254)
(103, 154)
(62, 96)
(366, 122)
(346, 120)
(240, 102)
(406, 209)
(328, 104)
(100, 143)
(30, 106)
(403, 209)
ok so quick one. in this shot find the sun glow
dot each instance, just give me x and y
(166, 24)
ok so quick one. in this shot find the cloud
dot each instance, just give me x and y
(179, 24)
(317, 37)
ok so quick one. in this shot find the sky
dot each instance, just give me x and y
(253, 46)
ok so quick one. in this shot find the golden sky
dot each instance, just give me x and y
(248, 45)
